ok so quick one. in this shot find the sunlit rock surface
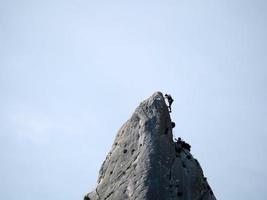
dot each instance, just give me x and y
(146, 164)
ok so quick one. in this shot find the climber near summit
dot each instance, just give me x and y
(183, 144)
(170, 100)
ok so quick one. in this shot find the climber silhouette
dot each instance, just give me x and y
(183, 144)
(170, 100)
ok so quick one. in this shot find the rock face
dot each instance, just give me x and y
(146, 164)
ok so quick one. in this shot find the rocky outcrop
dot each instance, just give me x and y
(146, 164)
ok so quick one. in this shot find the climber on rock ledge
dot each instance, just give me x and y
(182, 144)
(170, 101)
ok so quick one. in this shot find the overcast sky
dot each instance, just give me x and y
(72, 72)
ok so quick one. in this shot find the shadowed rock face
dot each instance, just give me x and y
(146, 164)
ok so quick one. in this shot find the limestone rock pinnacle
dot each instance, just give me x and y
(146, 164)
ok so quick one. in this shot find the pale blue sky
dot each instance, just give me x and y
(72, 72)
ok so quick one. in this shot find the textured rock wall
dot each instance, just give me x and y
(146, 164)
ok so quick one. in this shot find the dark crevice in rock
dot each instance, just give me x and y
(166, 131)
(179, 194)
(133, 150)
(97, 193)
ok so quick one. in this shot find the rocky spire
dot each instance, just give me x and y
(146, 164)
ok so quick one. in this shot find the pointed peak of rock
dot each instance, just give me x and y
(153, 106)
(146, 164)
(156, 98)
(157, 95)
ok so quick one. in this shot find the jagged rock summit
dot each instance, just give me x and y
(146, 164)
